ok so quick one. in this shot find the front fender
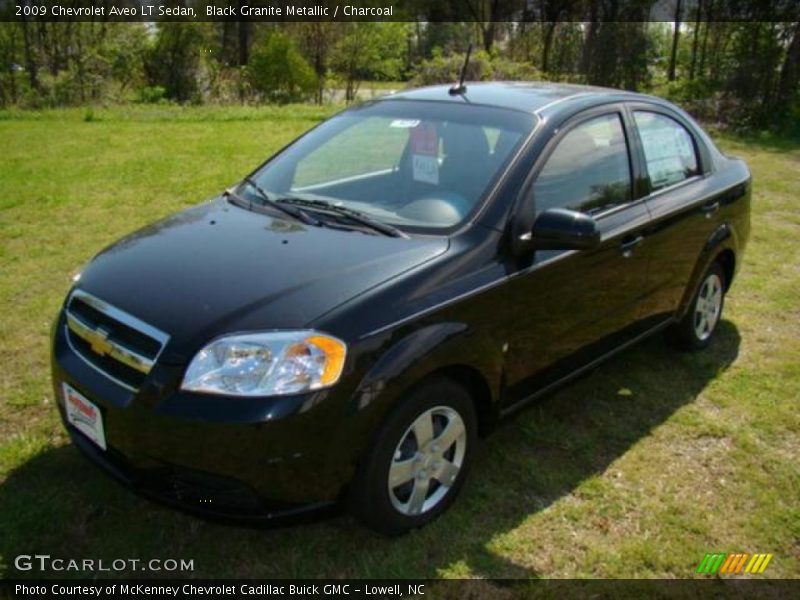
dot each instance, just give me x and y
(417, 354)
(413, 354)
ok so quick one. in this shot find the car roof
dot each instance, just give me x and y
(526, 96)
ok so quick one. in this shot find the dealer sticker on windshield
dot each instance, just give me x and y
(84, 415)
(425, 153)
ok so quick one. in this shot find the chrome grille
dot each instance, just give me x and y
(113, 342)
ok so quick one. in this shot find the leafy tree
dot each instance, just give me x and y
(488, 14)
(445, 37)
(316, 40)
(788, 96)
(173, 61)
(278, 72)
(10, 48)
(673, 57)
(616, 47)
(127, 48)
(369, 51)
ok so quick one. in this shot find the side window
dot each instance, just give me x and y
(589, 170)
(668, 149)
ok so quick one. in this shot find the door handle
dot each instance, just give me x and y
(629, 243)
(710, 208)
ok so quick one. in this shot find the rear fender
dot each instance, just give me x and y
(723, 238)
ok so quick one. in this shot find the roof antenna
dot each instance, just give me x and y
(461, 88)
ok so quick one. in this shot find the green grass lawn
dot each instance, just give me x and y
(636, 470)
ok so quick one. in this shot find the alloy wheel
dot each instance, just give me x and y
(427, 461)
(708, 306)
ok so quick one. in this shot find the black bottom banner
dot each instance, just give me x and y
(395, 588)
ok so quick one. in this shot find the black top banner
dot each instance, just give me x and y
(394, 10)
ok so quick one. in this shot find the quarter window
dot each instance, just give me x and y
(668, 149)
(589, 170)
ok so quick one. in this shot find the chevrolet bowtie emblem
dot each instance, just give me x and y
(98, 340)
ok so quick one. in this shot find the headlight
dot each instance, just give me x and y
(266, 364)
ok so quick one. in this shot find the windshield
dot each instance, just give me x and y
(414, 165)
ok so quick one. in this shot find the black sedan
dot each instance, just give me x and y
(343, 323)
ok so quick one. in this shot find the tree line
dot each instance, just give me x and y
(741, 68)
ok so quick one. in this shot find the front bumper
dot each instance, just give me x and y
(236, 458)
(202, 494)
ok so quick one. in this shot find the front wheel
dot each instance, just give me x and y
(419, 460)
(697, 327)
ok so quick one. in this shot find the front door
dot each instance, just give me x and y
(567, 308)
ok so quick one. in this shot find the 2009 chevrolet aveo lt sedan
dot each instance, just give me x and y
(344, 322)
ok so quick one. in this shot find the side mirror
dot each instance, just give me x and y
(562, 229)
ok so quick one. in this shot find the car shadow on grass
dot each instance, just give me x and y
(57, 503)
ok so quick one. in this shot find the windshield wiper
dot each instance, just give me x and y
(298, 214)
(350, 213)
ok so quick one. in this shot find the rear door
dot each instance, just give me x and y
(683, 201)
(566, 308)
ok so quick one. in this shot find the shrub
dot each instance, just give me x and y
(151, 94)
(279, 73)
(482, 67)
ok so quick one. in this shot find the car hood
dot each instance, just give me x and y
(218, 268)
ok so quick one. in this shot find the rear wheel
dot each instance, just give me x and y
(697, 327)
(419, 460)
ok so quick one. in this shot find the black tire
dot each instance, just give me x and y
(686, 333)
(370, 498)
